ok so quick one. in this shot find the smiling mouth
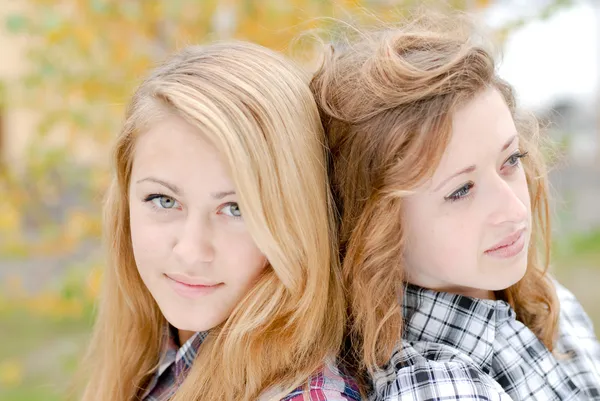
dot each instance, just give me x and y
(510, 246)
(191, 282)
(192, 290)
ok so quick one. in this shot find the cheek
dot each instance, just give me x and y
(149, 239)
(240, 259)
(522, 191)
(453, 242)
(419, 236)
(454, 238)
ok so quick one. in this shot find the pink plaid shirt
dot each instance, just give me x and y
(327, 385)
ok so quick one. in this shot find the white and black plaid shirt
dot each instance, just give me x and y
(461, 348)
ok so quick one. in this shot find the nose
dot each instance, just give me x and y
(193, 246)
(510, 201)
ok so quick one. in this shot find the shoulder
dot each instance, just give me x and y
(329, 384)
(572, 316)
(431, 371)
(576, 335)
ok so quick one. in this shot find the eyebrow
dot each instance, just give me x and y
(177, 191)
(221, 195)
(472, 168)
(509, 142)
(174, 188)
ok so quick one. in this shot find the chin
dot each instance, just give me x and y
(509, 278)
(186, 324)
(189, 320)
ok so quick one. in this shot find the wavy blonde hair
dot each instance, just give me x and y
(257, 110)
(386, 99)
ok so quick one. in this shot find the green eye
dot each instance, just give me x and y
(162, 201)
(166, 202)
(232, 209)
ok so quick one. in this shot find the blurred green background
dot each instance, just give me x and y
(66, 71)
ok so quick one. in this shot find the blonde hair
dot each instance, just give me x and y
(386, 99)
(257, 110)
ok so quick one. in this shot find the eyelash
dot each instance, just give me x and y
(517, 156)
(151, 197)
(458, 194)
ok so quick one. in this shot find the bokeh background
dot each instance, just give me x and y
(67, 68)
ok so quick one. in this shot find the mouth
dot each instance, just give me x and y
(190, 281)
(510, 246)
(191, 288)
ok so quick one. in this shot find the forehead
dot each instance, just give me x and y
(174, 150)
(480, 128)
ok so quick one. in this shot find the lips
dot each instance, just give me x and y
(192, 288)
(510, 246)
(508, 241)
(191, 281)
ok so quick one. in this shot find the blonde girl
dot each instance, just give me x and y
(222, 281)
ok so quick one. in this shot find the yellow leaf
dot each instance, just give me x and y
(11, 373)
(9, 220)
(10, 216)
(84, 35)
(78, 224)
(93, 283)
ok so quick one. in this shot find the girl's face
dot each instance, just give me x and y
(190, 243)
(468, 228)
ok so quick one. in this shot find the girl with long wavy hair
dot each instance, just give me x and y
(441, 187)
(223, 280)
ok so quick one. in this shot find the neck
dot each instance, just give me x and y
(465, 291)
(184, 335)
(470, 292)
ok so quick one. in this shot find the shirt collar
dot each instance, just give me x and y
(172, 353)
(465, 323)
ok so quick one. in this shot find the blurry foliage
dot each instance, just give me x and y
(546, 12)
(85, 58)
(582, 247)
(11, 372)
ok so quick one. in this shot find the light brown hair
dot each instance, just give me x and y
(387, 98)
(257, 110)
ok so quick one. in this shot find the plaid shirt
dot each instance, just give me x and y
(461, 348)
(327, 385)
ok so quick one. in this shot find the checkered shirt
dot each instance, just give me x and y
(461, 348)
(329, 384)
